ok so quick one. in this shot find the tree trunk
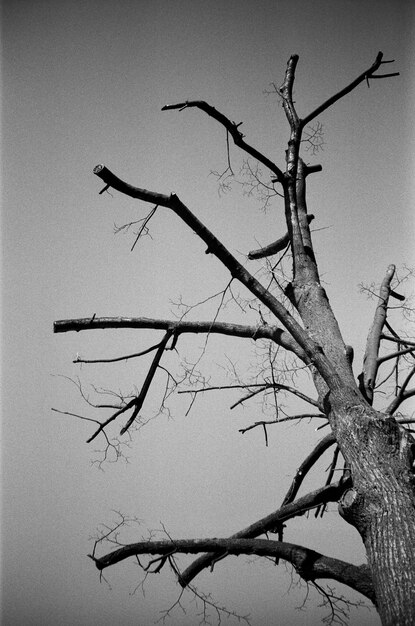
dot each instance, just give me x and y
(380, 505)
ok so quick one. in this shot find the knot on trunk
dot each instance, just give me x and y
(351, 507)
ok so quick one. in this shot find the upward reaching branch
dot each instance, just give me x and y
(364, 76)
(371, 363)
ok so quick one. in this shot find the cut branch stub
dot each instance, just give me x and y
(275, 247)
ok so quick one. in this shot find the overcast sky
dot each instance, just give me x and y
(83, 82)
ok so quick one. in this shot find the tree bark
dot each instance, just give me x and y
(381, 502)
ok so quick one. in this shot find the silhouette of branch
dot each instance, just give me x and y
(306, 465)
(313, 351)
(365, 76)
(287, 418)
(265, 331)
(147, 382)
(233, 130)
(267, 524)
(397, 339)
(274, 248)
(394, 355)
(403, 394)
(260, 387)
(118, 358)
(310, 565)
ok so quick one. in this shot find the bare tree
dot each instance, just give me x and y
(375, 490)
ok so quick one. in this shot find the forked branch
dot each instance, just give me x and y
(310, 565)
(364, 76)
(267, 524)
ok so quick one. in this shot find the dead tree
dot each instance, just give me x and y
(376, 489)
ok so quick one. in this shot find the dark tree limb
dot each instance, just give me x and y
(310, 565)
(147, 382)
(403, 394)
(287, 418)
(277, 335)
(397, 339)
(259, 388)
(321, 509)
(395, 355)
(232, 129)
(306, 465)
(267, 524)
(137, 402)
(116, 359)
(275, 247)
(365, 76)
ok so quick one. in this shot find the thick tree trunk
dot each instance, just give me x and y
(381, 503)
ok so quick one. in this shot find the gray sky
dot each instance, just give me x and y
(83, 83)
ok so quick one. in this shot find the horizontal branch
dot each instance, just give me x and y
(310, 565)
(260, 387)
(232, 129)
(116, 359)
(395, 355)
(330, 493)
(277, 335)
(397, 339)
(280, 420)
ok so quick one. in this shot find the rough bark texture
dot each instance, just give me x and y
(381, 504)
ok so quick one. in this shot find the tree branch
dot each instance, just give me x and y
(277, 335)
(267, 524)
(148, 380)
(260, 387)
(313, 351)
(116, 359)
(398, 339)
(371, 358)
(403, 394)
(306, 465)
(232, 129)
(395, 355)
(365, 76)
(310, 565)
(275, 247)
(287, 418)
(137, 402)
